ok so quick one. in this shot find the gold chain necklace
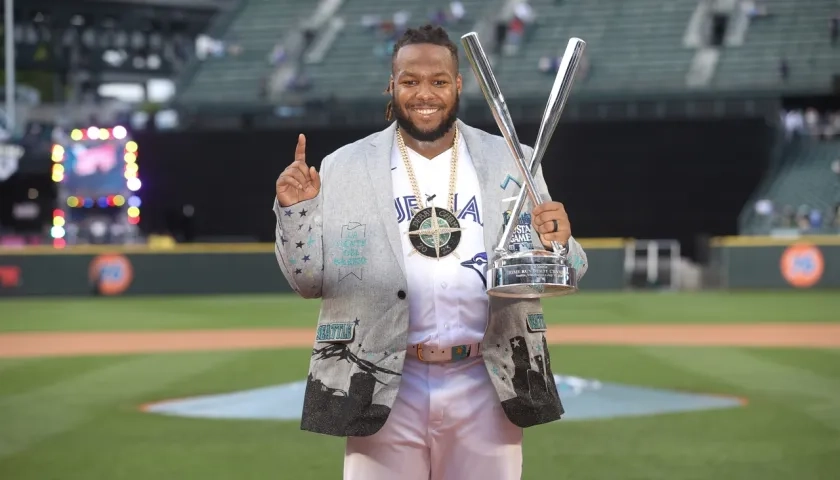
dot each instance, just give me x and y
(453, 170)
(434, 232)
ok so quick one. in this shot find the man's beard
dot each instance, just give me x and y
(404, 122)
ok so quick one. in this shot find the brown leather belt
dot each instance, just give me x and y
(427, 354)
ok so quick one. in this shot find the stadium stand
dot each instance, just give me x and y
(638, 46)
(801, 195)
(238, 77)
(358, 64)
(630, 45)
(794, 30)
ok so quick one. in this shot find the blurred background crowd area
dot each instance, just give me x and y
(130, 121)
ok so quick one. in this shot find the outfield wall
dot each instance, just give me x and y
(777, 263)
(739, 262)
(199, 269)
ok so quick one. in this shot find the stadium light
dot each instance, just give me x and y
(57, 231)
(132, 182)
(57, 153)
(57, 173)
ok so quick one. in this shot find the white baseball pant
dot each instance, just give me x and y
(446, 424)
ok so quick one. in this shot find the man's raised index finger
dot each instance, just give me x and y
(300, 150)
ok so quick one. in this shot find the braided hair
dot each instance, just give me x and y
(426, 34)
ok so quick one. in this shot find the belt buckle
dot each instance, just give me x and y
(460, 352)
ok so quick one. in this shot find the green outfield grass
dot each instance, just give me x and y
(286, 310)
(78, 419)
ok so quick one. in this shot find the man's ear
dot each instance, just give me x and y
(458, 83)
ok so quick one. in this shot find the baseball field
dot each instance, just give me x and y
(80, 381)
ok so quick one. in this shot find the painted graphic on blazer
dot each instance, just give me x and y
(331, 409)
(536, 392)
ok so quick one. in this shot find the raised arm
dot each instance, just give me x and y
(298, 242)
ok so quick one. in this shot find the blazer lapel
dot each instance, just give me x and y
(378, 163)
(490, 173)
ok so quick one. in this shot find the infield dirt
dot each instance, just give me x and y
(37, 344)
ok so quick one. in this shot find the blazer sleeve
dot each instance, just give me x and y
(299, 242)
(576, 255)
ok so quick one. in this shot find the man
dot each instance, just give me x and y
(426, 375)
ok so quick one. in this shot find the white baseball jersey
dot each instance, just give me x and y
(448, 304)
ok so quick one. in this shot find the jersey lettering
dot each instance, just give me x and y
(405, 204)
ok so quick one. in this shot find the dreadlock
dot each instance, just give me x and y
(413, 36)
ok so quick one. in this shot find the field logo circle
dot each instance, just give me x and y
(111, 273)
(802, 265)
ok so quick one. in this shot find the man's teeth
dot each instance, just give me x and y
(426, 111)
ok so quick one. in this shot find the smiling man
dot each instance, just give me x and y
(426, 375)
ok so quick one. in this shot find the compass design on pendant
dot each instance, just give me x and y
(435, 232)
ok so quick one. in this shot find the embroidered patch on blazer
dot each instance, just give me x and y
(521, 239)
(576, 261)
(536, 322)
(335, 332)
(510, 178)
(350, 258)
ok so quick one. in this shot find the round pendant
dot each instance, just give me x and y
(434, 232)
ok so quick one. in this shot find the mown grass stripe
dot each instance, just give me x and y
(794, 387)
(34, 373)
(39, 414)
(284, 310)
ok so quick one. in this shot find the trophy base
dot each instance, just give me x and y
(531, 274)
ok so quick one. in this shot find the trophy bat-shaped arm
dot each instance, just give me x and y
(492, 93)
(560, 90)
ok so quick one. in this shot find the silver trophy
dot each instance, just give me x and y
(532, 273)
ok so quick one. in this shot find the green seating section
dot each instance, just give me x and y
(634, 45)
(797, 30)
(257, 28)
(631, 46)
(805, 178)
(358, 64)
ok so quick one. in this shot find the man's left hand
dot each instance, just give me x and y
(552, 223)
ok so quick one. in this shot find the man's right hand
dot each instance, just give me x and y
(298, 182)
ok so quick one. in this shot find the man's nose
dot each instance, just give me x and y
(425, 91)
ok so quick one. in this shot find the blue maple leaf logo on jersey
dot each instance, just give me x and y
(476, 264)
